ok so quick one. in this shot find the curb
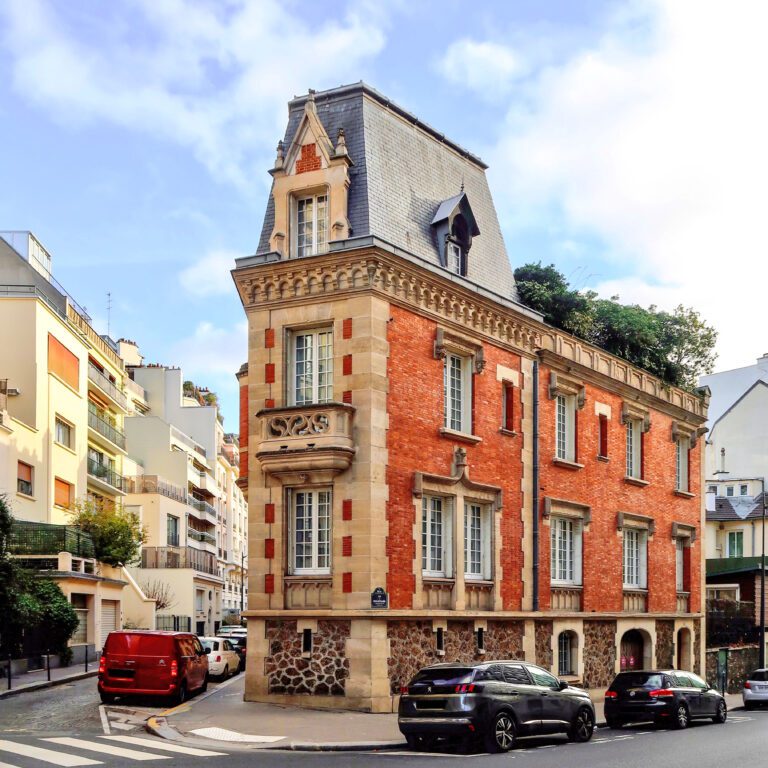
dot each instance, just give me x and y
(47, 684)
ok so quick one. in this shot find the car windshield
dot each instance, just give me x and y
(443, 676)
(759, 676)
(637, 680)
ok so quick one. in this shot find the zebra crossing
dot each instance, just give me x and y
(72, 752)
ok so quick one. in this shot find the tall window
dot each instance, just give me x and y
(602, 450)
(565, 427)
(311, 225)
(435, 536)
(565, 551)
(477, 537)
(508, 407)
(453, 251)
(680, 564)
(62, 493)
(681, 464)
(457, 382)
(635, 558)
(634, 449)
(312, 366)
(311, 523)
(63, 432)
(24, 481)
(735, 544)
(566, 653)
(173, 531)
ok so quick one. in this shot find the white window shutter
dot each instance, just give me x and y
(643, 557)
(578, 531)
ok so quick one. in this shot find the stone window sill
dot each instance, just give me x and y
(685, 494)
(25, 496)
(463, 437)
(603, 458)
(508, 432)
(636, 481)
(441, 580)
(565, 464)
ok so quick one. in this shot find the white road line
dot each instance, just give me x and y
(164, 746)
(104, 719)
(106, 749)
(46, 755)
(7, 765)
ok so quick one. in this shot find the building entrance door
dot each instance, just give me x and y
(632, 650)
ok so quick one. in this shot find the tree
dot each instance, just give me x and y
(116, 532)
(161, 593)
(677, 346)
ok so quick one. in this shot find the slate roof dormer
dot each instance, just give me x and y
(398, 174)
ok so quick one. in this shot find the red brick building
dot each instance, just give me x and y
(417, 435)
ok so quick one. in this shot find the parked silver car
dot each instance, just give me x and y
(755, 691)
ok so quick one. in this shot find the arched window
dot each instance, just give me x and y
(566, 653)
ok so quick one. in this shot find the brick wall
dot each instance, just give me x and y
(601, 485)
(415, 444)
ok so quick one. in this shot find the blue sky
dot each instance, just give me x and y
(627, 143)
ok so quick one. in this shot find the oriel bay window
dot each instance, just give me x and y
(310, 531)
(311, 366)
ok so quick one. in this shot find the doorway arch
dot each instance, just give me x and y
(634, 650)
(684, 648)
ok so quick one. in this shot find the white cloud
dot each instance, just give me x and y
(654, 142)
(211, 77)
(485, 67)
(209, 276)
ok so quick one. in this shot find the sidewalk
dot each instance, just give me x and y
(33, 681)
(223, 716)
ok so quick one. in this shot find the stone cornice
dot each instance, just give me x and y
(452, 303)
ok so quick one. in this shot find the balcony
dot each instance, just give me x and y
(105, 477)
(636, 601)
(179, 557)
(107, 387)
(49, 539)
(314, 440)
(99, 422)
(203, 510)
(202, 536)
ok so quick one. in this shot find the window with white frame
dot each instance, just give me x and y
(453, 255)
(565, 427)
(735, 544)
(635, 558)
(64, 432)
(477, 541)
(565, 550)
(729, 490)
(744, 490)
(310, 531)
(436, 535)
(634, 449)
(680, 564)
(311, 365)
(682, 446)
(711, 489)
(457, 382)
(566, 653)
(311, 225)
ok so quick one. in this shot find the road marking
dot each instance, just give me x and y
(7, 765)
(104, 719)
(46, 755)
(222, 734)
(164, 746)
(107, 749)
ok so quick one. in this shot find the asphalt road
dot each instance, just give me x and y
(30, 722)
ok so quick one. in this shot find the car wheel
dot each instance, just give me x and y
(107, 698)
(502, 734)
(204, 686)
(225, 673)
(181, 694)
(614, 722)
(583, 726)
(682, 718)
(722, 713)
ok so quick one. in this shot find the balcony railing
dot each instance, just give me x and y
(108, 387)
(48, 539)
(97, 421)
(185, 439)
(105, 474)
(137, 389)
(307, 437)
(179, 557)
(155, 484)
(203, 536)
(202, 506)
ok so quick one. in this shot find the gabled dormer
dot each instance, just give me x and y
(454, 225)
(310, 190)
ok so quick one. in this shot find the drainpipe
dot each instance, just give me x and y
(535, 485)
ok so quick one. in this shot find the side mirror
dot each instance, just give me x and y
(563, 684)
(206, 651)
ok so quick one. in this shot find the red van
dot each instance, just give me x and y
(152, 663)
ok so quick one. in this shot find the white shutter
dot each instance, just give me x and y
(643, 559)
(109, 618)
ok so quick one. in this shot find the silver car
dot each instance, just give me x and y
(755, 691)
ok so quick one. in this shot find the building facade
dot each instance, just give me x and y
(433, 473)
(62, 441)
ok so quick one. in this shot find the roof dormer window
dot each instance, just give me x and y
(455, 226)
(311, 225)
(454, 258)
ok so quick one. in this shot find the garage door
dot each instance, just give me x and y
(110, 612)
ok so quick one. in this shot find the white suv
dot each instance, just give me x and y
(755, 689)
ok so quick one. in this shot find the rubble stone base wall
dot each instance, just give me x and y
(741, 662)
(323, 673)
(665, 640)
(543, 636)
(599, 653)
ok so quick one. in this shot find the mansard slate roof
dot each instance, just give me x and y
(402, 171)
(725, 510)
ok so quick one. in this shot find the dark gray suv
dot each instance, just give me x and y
(494, 703)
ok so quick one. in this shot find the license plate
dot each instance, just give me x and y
(761, 687)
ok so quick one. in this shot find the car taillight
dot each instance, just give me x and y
(465, 688)
(403, 690)
(102, 665)
(611, 695)
(243, 651)
(174, 668)
(661, 693)
(747, 684)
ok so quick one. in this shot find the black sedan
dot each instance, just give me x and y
(493, 703)
(667, 697)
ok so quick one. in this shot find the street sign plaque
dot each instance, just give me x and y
(379, 599)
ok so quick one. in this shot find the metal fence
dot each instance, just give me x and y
(731, 622)
(49, 539)
(174, 623)
(179, 557)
